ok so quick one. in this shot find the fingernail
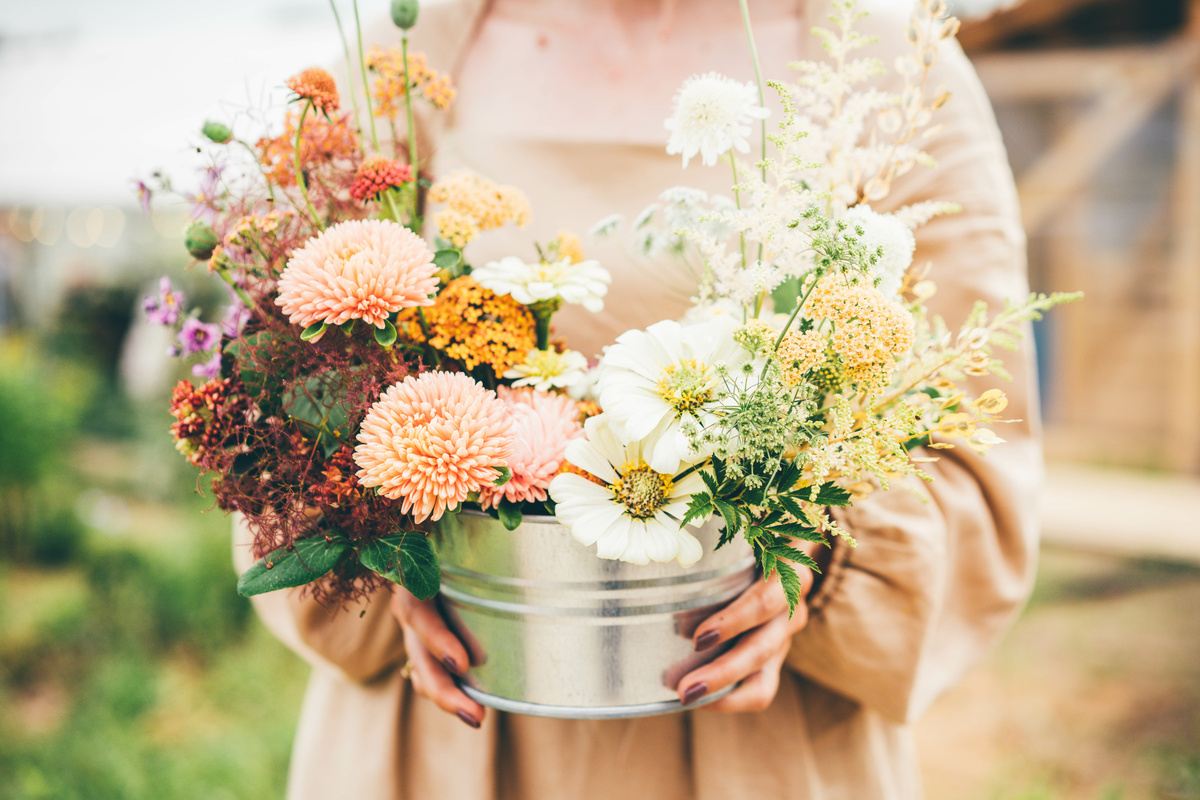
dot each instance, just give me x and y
(707, 640)
(694, 693)
(451, 665)
(467, 718)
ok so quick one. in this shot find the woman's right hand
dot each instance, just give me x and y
(434, 653)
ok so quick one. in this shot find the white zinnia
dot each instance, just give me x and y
(712, 113)
(635, 516)
(584, 283)
(546, 370)
(896, 239)
(653, 381)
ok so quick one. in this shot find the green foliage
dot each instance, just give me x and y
(386, 336)
(322, 409)
(297, 565)
(406, 558)
(510, 515)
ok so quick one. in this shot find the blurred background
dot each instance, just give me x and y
(129, 668)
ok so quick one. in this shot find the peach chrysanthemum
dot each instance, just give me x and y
(431, 440)
(316, 85)
(474, 326)
(360, 269)
(543, 424)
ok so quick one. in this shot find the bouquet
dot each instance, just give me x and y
(367, 379)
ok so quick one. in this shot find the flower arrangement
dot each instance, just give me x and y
(367, 380)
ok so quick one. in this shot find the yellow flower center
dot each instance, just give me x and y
(640, 489)
(687, 385)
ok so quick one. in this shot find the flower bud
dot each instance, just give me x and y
(200, 240)
(216, 132)
(404, 13)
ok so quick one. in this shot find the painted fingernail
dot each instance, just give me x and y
(694, 693)
(467, 718)
(451, 665)
(707, 640)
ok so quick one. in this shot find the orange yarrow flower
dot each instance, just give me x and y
(474, 326)
(317, 86)
(390, 87)
(321, 142)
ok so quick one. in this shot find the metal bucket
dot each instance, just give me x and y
(555, 631)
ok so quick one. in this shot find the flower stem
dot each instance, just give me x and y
(737, 201)
(362, 64)
(296, 166)
(412, 130)
(791, 319)
(543, 329)
(257, 163)
(762, 98)
(349, 67)
(238, 290)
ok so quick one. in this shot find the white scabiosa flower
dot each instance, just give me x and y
(625, 507)
(655, 381)
(896, 239)
(712, 114)
(546, 370)
(585, 283)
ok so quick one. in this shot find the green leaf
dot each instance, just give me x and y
(798, 530)
(754, 532)
(322, 409)
(791, 585)
(504, 476)
(710, 481)
(789, 473)
(780, 550)
(790, 505)
(700, 506)
(245, 350)
(510, 515)
(718, 471)
(306, 561)
(830, 494)
(313, 331)
(386, 336)
(406, 558)
(447, 259)
(733, 521)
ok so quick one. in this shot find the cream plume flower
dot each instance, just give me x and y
(360, 269)
(890, 235)
(543, 425)
(712, 114)
(630, 511)
(431, 440)
(584, 283)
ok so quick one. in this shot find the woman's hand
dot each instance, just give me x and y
(760, 616)
(434, 653)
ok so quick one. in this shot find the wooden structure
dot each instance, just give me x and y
(1127, 381)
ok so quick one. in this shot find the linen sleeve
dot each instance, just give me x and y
(361, 641)
(941, 569)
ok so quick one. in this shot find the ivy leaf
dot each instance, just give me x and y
(504, 475)
(313, 331)
(406, 558)
(510, 515)
(830, 494)
(307, 560)
(386, 336)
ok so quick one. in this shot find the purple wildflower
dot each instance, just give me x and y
(144, 193)
(209, 369)
(236, 317)
(164, 309)
(206, 200)
(198, 337)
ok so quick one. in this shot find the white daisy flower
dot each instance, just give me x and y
(653, 381)
(896, 239)
(633, 514)
(712, 114)
(546, 370)
(584, 283)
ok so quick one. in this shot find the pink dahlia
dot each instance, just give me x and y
(361, 269)
(543, 424)
(431, 440)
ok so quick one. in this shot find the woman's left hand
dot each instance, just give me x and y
(760, 616)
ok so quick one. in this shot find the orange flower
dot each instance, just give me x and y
(390, 87)
(376, 174)
(317, 86)
(359, 269)
(431, 440)
(321, 142)
(474, 326)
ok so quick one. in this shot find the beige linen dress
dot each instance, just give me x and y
(565, 99)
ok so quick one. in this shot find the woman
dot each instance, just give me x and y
(566, 101)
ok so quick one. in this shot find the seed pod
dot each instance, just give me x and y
(404, 13)
(216, 132)
(200, 240)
